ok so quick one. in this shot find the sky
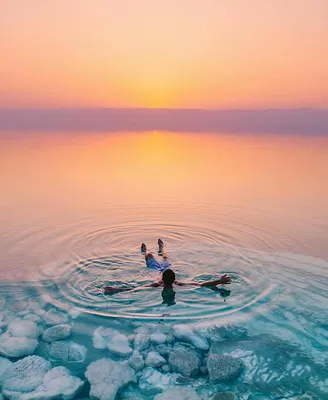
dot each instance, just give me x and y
(207, 54)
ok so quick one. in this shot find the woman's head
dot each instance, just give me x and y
(168, 277)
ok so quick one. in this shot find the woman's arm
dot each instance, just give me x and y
(113, 290)
(180, 283)
(224, 280)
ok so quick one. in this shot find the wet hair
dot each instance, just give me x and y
(168, 277)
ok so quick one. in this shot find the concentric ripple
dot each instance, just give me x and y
(76, 259)
(83, 283)
(200, 248)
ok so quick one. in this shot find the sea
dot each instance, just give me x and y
(74, 210)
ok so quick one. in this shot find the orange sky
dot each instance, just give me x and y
(146, 53)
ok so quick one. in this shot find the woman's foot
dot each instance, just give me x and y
(160, 247)
(143, 248)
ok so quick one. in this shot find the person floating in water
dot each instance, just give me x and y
(167, 279)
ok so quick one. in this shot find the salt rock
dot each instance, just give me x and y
(136, 361)
(224, 396)
(11, 346)
(163, 350)
(154, 360)
(158, 338)
(223, 367)
(141, 341)
(56, 332)
(67, 351)
(184, 360)
(116, 342)
(33, 304)
(178, 393)
(54, 317)
(74, 313)
(57, 383)
(166, 368)
(131, 394)
(23, 328)
(108, 377)
(153, 381)
(25, 375)
(32, 378)
(2, 303)
(32, 317)
(4, 365)
(187, 334)
(19, 306)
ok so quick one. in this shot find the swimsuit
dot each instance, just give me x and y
(159, 266)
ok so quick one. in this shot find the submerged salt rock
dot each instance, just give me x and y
(119, 345)
(187, 334)
(55, 317)
(224, 396)
(184, 360)
(32, 378)
(178, 393)
(223, 367)
(141, 341)
(131, 394)
(4, 365)
(2, 303)
(166, 368)
(58, 383)
(116, 342)
(136, 361)
(33, 303)
(158, 338)
(11, 346)
(23, 328)
(56, 332)
(18, 306)
(153, 381)
(163, 349)
(74, 313)
(153, 359)
(107, 377)
(67, 351)
(32, 317)
(25, 375)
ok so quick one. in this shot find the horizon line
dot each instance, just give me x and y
(268, 120)
(33, 108)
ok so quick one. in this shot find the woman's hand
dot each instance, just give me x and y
(225, 280)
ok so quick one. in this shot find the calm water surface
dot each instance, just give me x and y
(74, 209)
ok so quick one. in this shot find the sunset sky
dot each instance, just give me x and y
(172, 53)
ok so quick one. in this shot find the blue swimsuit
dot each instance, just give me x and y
(159, 266)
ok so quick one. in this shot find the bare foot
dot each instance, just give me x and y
(160, 247)
(143, 248)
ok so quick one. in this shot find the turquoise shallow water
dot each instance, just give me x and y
(60, 247)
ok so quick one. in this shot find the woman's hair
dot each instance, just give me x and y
(168, 277)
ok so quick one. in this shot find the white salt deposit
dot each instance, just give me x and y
(57, 332)
(11, 346)
(187, 334)
(116, 342)
(178, 393)
(107, 377)
(23, 328)
(154, 359)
